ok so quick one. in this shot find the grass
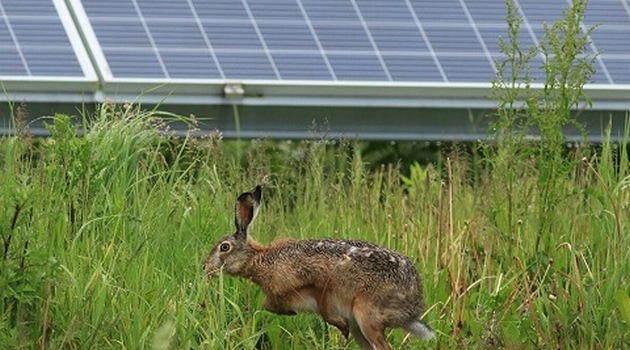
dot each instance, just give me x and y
(104, 236)
(520, 245)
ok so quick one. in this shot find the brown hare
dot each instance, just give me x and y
(358, 287)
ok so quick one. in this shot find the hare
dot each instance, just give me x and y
(356, 286)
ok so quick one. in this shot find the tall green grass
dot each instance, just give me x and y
(103, 237)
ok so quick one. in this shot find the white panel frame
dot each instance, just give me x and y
(89, 39)
(75, 40)
(335, 93)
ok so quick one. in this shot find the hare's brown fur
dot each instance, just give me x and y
(357, 286)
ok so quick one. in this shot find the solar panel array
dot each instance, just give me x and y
(319, 40)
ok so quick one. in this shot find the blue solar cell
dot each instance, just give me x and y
(246, 65)
(490, 35)
(10, 62)
(539, 11)
(330, 10)
(398, 38)
(190, 64)
(599, 77)
(449, 11)
(487, 11)
(391, 11)
(137, 63)
(109, 8)
(6, 41)
(29, 7)
(176, 34)
(454, 38)
(121, 33)
(612, 40)
(165, 9)
(609, 12)
(51, 61)
(357, 67)
(466, 68)
(343, 37)
(232, 35)
(536, 73)
(223, 10)
(619, 68)
(287, 36)
(301, 66)
(281, 10)
(412, 68)
(40, 31)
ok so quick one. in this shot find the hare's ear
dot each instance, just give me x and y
(246, 210)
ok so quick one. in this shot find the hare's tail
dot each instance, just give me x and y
(420, 329)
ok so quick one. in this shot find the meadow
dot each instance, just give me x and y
(103, 237)
(520, 244)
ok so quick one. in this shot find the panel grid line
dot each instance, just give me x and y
(626, 6)
(204, 35)
(478, 35)
(322, 52)
(150, 37)
(598, 58)
(15, 40)
(261, 39)
(529, 28)
(371, 39)
(340, 52)
(425, 37)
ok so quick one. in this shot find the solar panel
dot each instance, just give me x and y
(34, 42)
(319, 40)
(335, 40)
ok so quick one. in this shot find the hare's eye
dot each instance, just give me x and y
(225, 247)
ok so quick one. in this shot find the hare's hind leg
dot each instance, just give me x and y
(338, 322)
(370, 324)
(358, 336)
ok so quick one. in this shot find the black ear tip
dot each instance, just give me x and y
(257, 192)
